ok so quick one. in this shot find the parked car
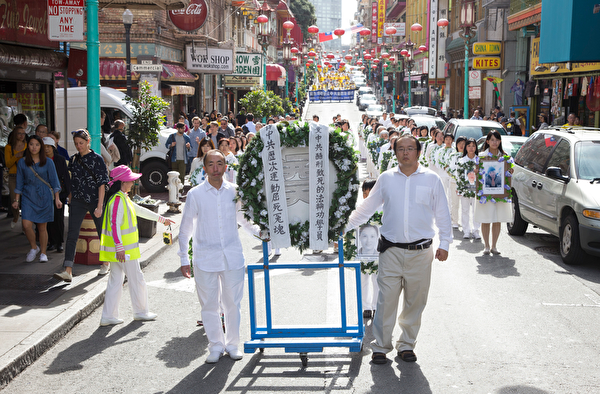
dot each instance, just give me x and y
(510, 143)
(360, 83)
(429, 121)
(420, 110)
(556, 187)
(374, 110)
(472, 128)
(366, 100)
(363, 90)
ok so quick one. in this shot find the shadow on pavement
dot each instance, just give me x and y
(72, 358)
(207, 379)
(497, 266)
(175, 353)
(521, 390)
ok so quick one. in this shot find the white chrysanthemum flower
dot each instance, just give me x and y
(241, 193)
(338, 214)
(343, 200)
(253, 162)
(264, 212)
(260, 176)
(253, 183)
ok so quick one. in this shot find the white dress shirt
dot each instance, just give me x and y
(212, 217)
(410, 206)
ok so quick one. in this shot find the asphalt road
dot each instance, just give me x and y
(521, 322)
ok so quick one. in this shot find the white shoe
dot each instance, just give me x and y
(67, 277)
(213, 357)
(476, 235)
(32, 253)
(104, 269)
(43, 258)
(277, 252)
(110, 322)
(13, 224)
(145, 316)
(467, 236)
(454, 225)
(235, 354)
(486, 251)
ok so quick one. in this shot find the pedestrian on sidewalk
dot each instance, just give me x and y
(56, 228)
(37, 190)
(211, 216)
(89, 177)
(413, 200)
(14, 151)
(119, 245)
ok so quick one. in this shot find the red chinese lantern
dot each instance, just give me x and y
(404, 52)
(294, 50)
(365, 32)
(416, 27)
(294, 58)
(385, 66)
(376, 61)
(374, 66)
(313, 29)
(422, 48)
(288, 25)
(312, 54)
(368, 57)
(342, 64)
(330, 55)
(339, 32)
(392, 59)
(385, 55)
(362, 67)
(359, 63)
(348, 57)
(390, 31)
(262, 19)
(443, 22)
(319, 66)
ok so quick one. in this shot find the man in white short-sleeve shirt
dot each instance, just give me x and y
(413, 199)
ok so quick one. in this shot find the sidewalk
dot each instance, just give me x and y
(37, 310)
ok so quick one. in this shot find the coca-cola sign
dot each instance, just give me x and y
(190, 18)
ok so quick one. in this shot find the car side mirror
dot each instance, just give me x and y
(556, 173)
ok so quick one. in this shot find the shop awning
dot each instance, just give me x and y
(181, 89)
(274, 72)
(176, 73)
(525, 17)
(114, 70)
(18, 57)
(144, 4)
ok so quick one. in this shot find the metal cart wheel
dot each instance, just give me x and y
(304, 359)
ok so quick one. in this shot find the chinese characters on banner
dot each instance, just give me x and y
(374, 21)
(380, 21)
(279, 226)
(319, 186)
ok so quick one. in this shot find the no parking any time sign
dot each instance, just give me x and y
(65, 20)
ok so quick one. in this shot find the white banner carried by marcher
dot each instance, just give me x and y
(319, 186)
(279, 226)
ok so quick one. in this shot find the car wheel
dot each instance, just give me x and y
(570, 246)
(518, 226)
(154, 176)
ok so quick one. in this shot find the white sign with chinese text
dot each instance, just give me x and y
(279, 226)
(65, 20)
(319, 186)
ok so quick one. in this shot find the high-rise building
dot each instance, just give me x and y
(329, 18)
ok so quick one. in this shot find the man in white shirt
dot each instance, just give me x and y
(250, 126)
(476, 115)
(385, 122)
(413, 198)
(211, 215)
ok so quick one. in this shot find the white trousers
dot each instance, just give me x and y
(453, 201)
(408, 270)
(114, 289)
(369, 290)
(468, 214)
(216, 290)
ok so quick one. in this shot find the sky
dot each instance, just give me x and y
(348, 10)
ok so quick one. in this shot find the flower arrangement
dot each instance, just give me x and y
(250, 180)
(350, 250)
(463, 186)
(374, 148)
(502, 159)
(388, 160)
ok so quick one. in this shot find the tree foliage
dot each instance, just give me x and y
(147, 111)
(304, 12)
(262, 104)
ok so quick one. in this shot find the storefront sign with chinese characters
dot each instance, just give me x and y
(248, 64)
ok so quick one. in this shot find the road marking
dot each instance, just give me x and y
(593, 297)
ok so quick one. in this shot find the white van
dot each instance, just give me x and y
(153, 165)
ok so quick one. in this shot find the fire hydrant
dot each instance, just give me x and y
(174, 186)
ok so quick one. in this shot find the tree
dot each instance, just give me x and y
(262, 104)
(304, 12)
(147, 118)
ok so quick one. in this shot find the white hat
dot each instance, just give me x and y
(49, 141)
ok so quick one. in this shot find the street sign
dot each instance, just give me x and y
(474, 78)
(147, 68)
(486, 63)
(487, 48)
(474, 92)
(65, 20)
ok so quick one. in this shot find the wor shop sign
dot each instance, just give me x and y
(209, 60)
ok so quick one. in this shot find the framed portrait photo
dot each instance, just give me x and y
(493, 179)
(366, 242)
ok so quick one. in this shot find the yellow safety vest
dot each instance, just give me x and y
(129, 231)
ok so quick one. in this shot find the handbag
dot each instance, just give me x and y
(43, 181)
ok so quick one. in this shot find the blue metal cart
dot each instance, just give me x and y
(314, 339)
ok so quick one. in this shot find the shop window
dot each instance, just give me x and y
(22, 98)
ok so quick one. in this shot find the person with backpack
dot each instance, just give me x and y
(118, 138)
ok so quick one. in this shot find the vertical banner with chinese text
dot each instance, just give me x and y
(279, 226)
(319, 186)
(433, 39)
(380, 21)
(374, 21)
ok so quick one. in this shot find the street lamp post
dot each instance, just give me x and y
(287, 53)
(442, 23)
(467, 23)
(407, 52)
(264, 41)
(127, 22)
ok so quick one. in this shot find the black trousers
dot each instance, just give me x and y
(56, 229)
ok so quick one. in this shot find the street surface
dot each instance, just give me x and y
(521, 322)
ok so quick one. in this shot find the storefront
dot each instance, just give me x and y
(27, 63)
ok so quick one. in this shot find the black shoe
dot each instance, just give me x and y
(367, 314)
(379, 358)
(50, 248)
(408, 356)
(60, 249)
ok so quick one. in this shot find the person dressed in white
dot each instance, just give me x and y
(413, 199)
(368, 281)
(211, 216)
(467, 178)
(119, 245)
(385, 121)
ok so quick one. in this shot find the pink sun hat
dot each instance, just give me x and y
(124, 174)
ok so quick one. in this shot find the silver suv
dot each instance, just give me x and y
(556, 187)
